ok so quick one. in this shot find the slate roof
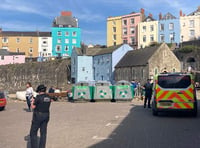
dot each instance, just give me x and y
(66, 21)
(195, 12)
(168, 16)
(96, 51)
(138, 57)
(25, 33)
(87, 51)
(6, 52)
(148, 19)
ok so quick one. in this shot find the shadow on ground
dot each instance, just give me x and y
(140, 129)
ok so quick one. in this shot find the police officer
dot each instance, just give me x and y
(148, 87)
(41, 105)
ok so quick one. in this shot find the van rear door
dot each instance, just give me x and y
(175, 92)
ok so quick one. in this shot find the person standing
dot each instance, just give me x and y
(29, 94)
(41, 105)
(148, 88)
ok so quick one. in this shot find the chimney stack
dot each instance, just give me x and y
(181, 13)
(160, 16)
(142, 11)
(66, 13)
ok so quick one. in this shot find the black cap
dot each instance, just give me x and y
(41, 88)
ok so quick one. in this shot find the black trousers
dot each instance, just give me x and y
(39, 121)
(28, 101)
(147, 100)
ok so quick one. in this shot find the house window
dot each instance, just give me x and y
(162, 27)
(144, 29)
(162, 38)
(66, 48)
(192, 33)
(174, 70)
(132, 40)
(114, 43)
(59, 41)
(67, 41)
(124, 31)
(171, 36)
(151, 38)
(114, 29)
(18, 40)
(151, 28)
(144, 38)
(17, 50)
(171, 26)
(73, 41)
(132, 21)
(125, 22)
(132, 30)
(66, 33)
(30, 50)
(30, 40)
(114, 23)
(44, 42)
(114, 37)
(58, 48)
(5, 40)
(2, 57)
(44, 50)
(191, 23)
(83, 68)
(74, 33)
(59, 33)
(125, 41)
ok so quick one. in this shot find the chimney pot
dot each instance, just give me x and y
(66, 13)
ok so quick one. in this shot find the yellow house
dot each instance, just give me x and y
(15, 41)
(114, 31)
(190, 28)
(147, 32)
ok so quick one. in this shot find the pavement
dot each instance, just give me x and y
(101, 125)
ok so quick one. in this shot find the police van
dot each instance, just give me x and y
(174, 92)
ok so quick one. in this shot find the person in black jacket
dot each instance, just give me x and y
(148, 88)
(41, 105)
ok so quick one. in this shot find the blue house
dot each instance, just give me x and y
(93, 64)
(104, 62)
(168, 29)
(82, 64)
(65, 35)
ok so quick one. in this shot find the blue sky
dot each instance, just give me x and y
(31, 15)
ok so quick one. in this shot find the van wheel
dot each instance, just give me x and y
(155, 113)
(194, 113)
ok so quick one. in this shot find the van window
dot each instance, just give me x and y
(174, 81)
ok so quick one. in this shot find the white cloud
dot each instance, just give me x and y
(23, 26)
(24, 7)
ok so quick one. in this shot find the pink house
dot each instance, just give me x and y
(7, 57)
(130, 27)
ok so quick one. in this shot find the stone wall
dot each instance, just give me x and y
(52, 73)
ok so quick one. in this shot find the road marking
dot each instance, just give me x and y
(119, 117)
(100, 138)
(111, 124)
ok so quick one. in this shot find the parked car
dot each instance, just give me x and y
(2, 101)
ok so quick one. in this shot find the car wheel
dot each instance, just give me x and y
(2, 108)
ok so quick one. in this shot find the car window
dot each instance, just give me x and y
(2, 95)
(174, 81)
